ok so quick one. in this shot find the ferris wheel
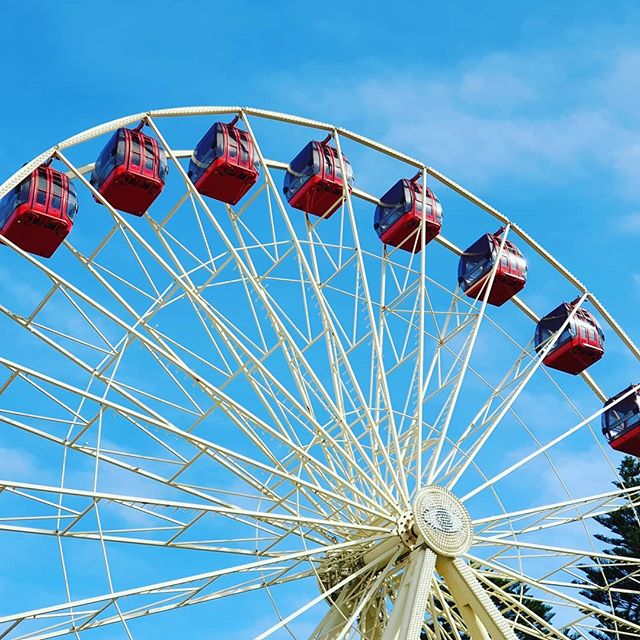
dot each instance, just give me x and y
(269, 367)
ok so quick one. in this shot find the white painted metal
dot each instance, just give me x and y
(411, 598)
(318, 485)
(481, 615)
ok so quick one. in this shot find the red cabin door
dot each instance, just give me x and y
(142, 154)
(509, 260)
(329, 161)
(429, 202)
(49, 193)
(245, 149)
(238, 148)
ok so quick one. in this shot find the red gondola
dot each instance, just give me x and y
(130, 171)
(313, 181)
(397, 217)
(579, 345)
(474, 269)
(38, 214)
(224, 164)
(621, 421)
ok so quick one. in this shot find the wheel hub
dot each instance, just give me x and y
(437, 519)
(443, 521)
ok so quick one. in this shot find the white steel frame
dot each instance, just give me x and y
(330, 464)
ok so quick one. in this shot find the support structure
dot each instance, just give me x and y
(411, 600)
(431, 538)
(481, 616)
(336, 368)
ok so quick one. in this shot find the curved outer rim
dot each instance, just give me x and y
(112, 125)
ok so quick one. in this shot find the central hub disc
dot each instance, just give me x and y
(443, 521)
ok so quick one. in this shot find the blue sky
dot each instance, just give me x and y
(533, 107)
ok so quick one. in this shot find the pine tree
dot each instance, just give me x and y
(624, 540)
(520, 614)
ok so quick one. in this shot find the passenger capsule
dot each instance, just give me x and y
(130, 171)
(474, 269)
(224, 164)
(621, 421)
(313, 181)
(38, 214)
(579, 345)
(397, 217)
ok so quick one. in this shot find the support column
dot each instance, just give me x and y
(410, 605)
(435, 535)
(332, 623)
(481, 616)
(371, 621)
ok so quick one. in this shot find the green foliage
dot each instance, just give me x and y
(615, 579)
(522, 614)
(616, 583)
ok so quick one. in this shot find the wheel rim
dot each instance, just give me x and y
(293, 345)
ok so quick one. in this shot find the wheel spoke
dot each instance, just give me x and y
(300, 400)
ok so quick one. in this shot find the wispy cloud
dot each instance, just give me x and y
(545, 115)
(629, 224)
(17, 464)
(583, 473)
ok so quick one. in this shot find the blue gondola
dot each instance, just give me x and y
(397, 217)
(580, 344)
(224, 164)
(474, 269)
(621, 421)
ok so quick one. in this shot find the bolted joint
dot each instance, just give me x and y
(405, 529)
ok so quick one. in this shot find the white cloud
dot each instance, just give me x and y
(496, 83)
(544, 115)
(449, 133)
(583, 473)
(17, 464)
(621, 84)
(629, 223)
